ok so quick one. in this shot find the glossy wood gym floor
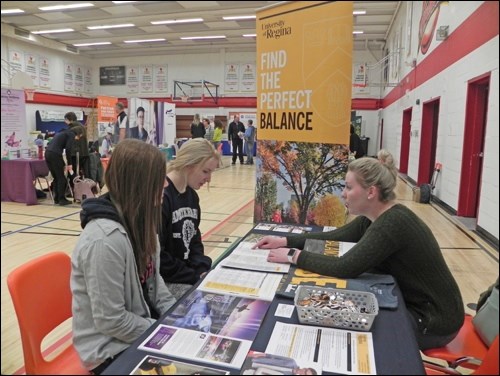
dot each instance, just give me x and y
(227, 215)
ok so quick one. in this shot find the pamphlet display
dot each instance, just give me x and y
(152, 365)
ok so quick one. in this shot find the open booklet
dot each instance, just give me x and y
(152, 365)
(219, 314)
(259, 363)
(197, 346)
(237, 282)
(340, 351)
(244, 257)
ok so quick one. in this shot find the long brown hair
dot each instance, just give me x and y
(135, 177)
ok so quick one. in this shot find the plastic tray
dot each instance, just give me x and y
(337, 308)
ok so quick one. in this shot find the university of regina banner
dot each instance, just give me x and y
(304, 76)
(304, 70)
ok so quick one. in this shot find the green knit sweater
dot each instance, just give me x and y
(402, 245)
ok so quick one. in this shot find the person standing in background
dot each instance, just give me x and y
(107, 143)
(197, 127)
(355, 145)
(209, 132)
(235, 135)
(62, 141)
(122, 130)
(250, 141)
(218, 130)
(80, 146)
(183, 260)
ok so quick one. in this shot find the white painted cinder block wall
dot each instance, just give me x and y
(450, 86)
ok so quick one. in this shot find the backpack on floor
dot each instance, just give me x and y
(425, 193)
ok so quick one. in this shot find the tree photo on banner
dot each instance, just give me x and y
(304, 66)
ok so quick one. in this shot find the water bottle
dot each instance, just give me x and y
(40, 152)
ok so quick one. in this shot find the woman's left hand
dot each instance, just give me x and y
(278, 255)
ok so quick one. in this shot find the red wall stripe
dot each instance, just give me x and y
(480, 27)
(231, 102)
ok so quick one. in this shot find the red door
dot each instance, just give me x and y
(428, 141)
(473, 147)
(405, 141)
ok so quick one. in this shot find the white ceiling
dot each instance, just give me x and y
(375, 24)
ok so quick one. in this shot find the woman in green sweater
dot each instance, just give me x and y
(390, 239)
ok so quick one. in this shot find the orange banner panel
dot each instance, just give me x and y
(304, 69)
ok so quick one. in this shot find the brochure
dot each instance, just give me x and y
(197, 346)
(340, 351)
(244, 257)
(236, 282)
(152, 365)
(223, 315)
(258, 363)
(278, 227)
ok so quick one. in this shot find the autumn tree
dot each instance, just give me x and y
(265, 197)
(308, 170)
(329, 211)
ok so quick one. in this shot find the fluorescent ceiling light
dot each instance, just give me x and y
(12, 11)
(91, 44)
(186, 20)
(144, 40)
(123, 2)
(67, 6)
(109, 26)
(358, 32)
(52, 31)
(232, 18)
(357, 12)
(207, 37)
(249, 35)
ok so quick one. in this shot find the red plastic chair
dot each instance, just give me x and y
(42, 297)
(488, 366)
(466, 350)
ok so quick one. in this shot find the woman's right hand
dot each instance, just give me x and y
(270, 242)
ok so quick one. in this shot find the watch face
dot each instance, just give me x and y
(291, 252)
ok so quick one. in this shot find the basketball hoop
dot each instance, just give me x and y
(30, 94)
(184, 98)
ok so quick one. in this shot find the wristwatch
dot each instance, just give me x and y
(290, 255)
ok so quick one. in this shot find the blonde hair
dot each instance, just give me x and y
(373, 172)
(194, 152)
(385, 156)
